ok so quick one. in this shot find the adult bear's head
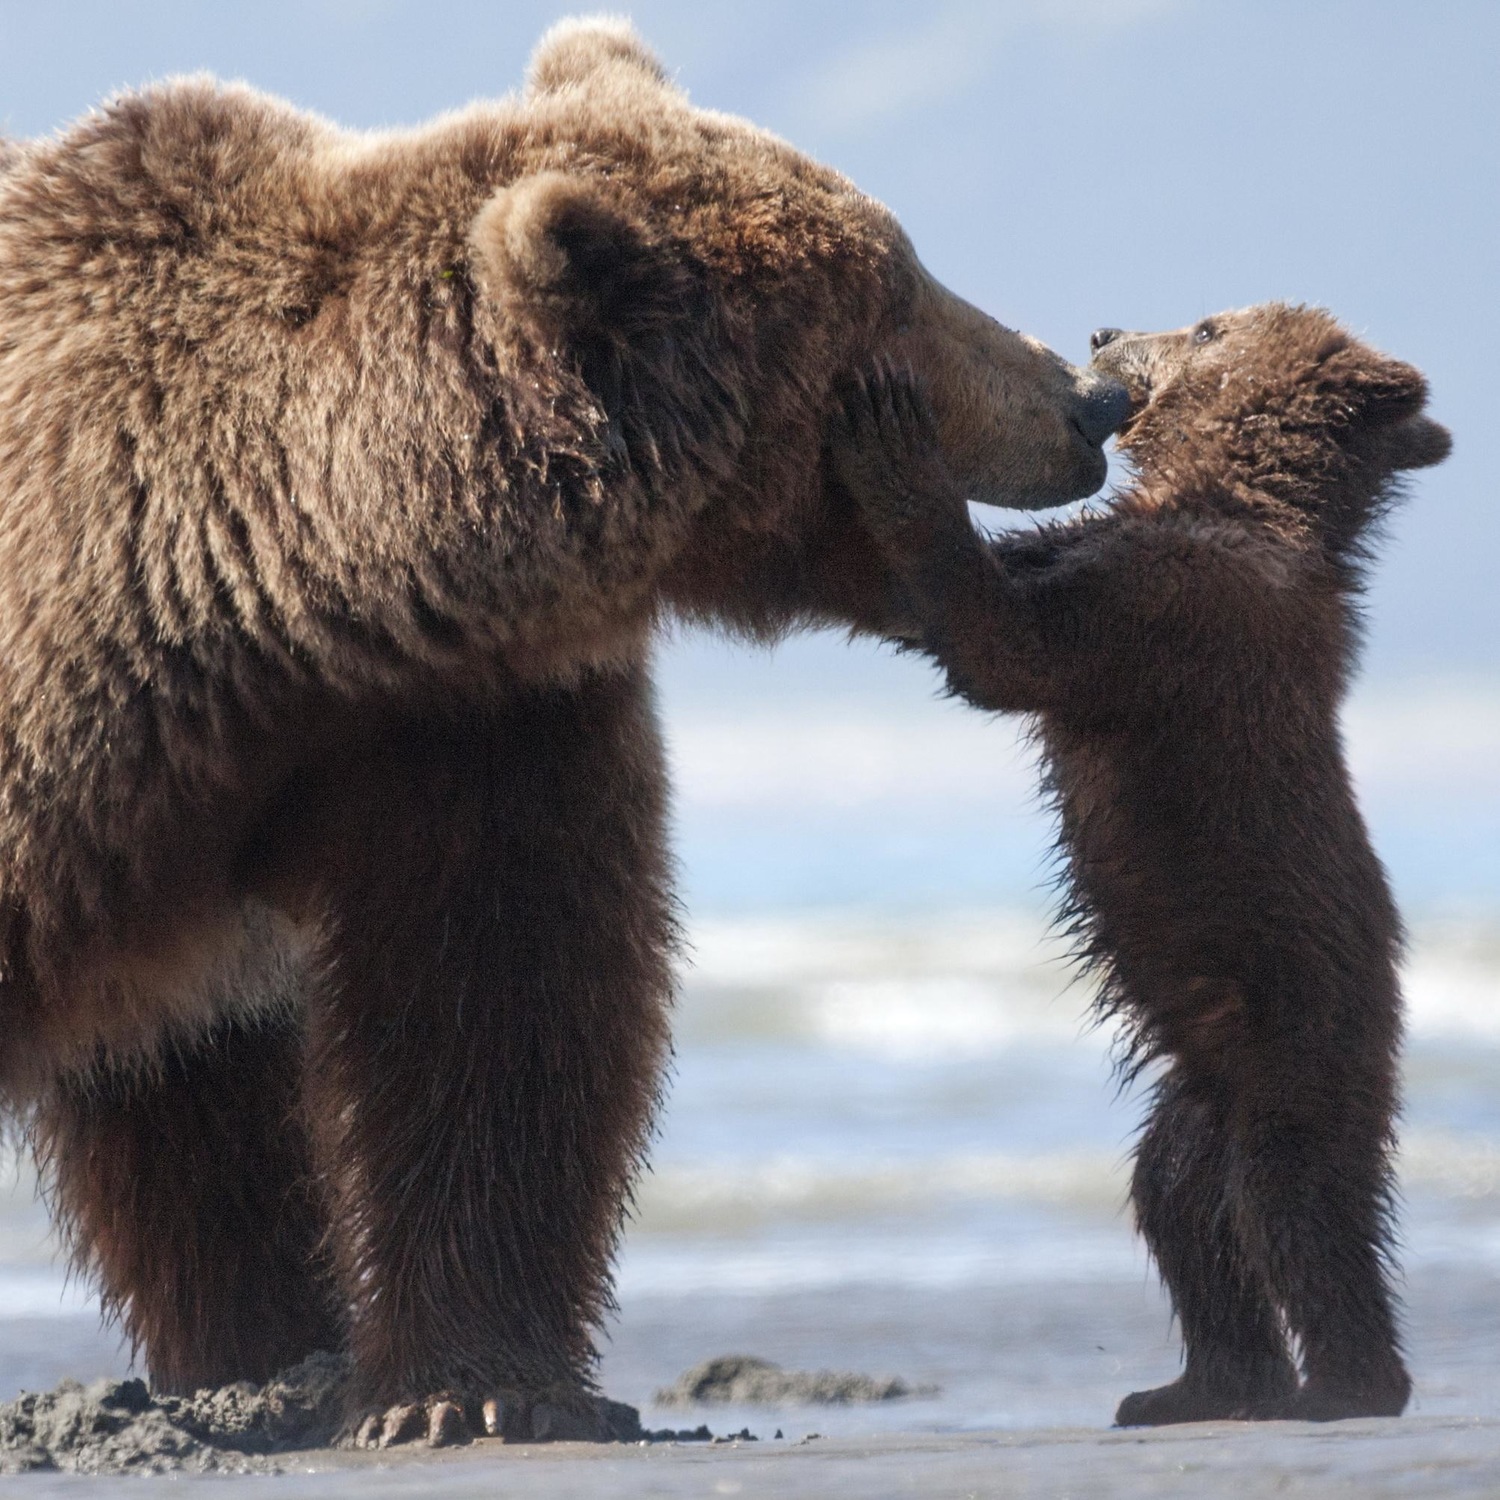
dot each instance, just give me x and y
(712, 288)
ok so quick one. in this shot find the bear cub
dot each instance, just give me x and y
(1185, 653)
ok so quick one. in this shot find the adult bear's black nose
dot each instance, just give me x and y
(1102, 410)
(1102, 336)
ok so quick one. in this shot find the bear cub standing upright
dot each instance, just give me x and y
(1186, 653)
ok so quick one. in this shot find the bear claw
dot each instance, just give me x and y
(887, 454)
(439, 1422)
(443, 1421)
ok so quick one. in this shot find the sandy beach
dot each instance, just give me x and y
(1452, 1457)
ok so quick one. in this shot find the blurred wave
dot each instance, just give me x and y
(981, 982)
(814, 792)
(920, 1103)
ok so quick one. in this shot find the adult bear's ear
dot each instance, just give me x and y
(571, 258)
(583, 51)
(570, 270)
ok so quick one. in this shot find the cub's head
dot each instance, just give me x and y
(1272, 385)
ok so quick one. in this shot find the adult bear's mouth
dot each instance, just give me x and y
(1095, 418)
(1094, 463)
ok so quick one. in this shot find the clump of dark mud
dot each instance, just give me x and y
(118, 1426)
(741, 1380)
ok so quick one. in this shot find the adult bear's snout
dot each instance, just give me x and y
(1103, 409)
(1102, 336)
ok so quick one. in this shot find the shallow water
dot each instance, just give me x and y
(894, 1146)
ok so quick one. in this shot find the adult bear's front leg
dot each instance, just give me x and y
(485, 1054)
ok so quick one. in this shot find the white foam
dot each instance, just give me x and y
(932, 755)
(918, 990)
(712, 1197)
(1452, 983)
(1438, 742)
(931, 1264)
(978, 983)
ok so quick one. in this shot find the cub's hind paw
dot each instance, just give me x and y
(1322, 1401)
(1195, 1401)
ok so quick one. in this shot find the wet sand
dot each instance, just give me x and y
(1423, 1456)
(1375, 1458)
(1029, 1376)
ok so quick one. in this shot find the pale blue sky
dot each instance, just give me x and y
(1065, 163)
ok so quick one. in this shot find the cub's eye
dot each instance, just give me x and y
(1205, 333)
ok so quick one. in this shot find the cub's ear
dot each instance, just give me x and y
(1418, 443)
(583, 49)
(572, 258)
(1377, 389)
(1387, 395)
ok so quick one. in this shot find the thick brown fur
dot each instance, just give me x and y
(1185, 654)
(342, 480)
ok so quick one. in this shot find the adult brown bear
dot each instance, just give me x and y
(1186, 653)
(342, 480)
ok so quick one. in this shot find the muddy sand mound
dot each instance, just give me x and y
(742, 1380)
(118, 1426)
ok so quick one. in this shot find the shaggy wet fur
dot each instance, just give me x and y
(1185, 654)
(342, 479)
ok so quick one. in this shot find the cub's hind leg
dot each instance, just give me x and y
(183, 1186)
(1237, 1364)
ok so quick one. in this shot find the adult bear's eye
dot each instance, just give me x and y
(1205, 333)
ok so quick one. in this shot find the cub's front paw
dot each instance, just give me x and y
(885, 450)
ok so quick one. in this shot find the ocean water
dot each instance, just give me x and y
(896, 1145)
(893, 1142)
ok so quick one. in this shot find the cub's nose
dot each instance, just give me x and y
(1102, 336)
(1103, 409)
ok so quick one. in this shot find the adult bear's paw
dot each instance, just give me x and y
(579, 1419)
(445, 1419)
(440, 1421)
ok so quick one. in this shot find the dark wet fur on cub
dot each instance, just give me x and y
(1185, 653)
